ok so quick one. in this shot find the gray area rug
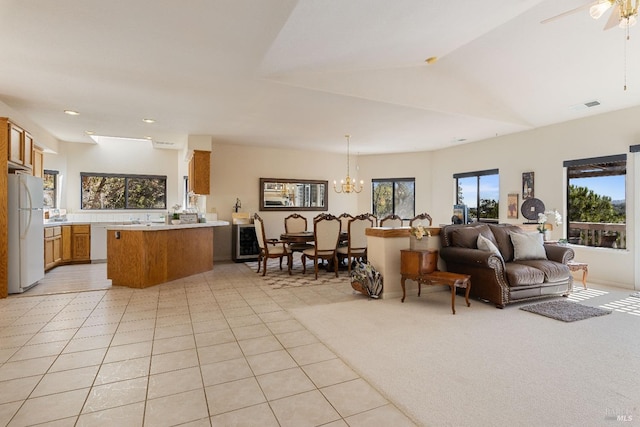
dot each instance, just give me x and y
(278, 279)
(566, 311)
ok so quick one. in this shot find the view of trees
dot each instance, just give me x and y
(394, 197)
(587, 206)
(123, 191)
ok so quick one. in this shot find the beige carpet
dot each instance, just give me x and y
(484, 366)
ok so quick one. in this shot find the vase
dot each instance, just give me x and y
(546, 236)
(416, 244)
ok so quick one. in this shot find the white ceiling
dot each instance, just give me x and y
(301, 74)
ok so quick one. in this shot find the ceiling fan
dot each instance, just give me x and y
(624, 13)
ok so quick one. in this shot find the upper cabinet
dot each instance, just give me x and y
(19, 144)
(38, 162)
(199, 170)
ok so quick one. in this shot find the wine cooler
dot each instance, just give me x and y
(245, 244)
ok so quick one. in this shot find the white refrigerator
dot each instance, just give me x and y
(26, 232)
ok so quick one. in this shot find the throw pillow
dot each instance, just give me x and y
(485, 244)
(528, 246)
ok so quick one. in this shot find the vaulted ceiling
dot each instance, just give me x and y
(302, 74)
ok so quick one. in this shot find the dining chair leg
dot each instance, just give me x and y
(315, 265)
(264, 266)
(335, 264)
(259, 263)
(290, 262)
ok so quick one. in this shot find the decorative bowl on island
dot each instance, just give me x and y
(175, 221)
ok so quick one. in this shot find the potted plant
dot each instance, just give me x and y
(419, 237)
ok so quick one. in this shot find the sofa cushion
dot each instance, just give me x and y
(485, 244)
(523, 275)
(503, 239)
(553, 271)
(528, 246)
(467, 237)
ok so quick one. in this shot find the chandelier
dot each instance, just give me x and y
(347, 185)
(627, 11)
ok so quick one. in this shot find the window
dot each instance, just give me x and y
(394, 196)
(480, 192)
(596, 201)
(114, 191)
(50, 188)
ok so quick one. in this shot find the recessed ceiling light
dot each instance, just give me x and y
(431, 60)
(148, 137)
(71, 112)
(89, 132)
(148, 120)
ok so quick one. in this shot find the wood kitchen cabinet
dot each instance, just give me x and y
(19, 145)
(76, 243)
(199, 170)
(38, 162)
(52, 247)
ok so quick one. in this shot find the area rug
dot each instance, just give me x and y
(278, 279)
(566, 311)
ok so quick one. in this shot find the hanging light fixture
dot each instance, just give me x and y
(347, 185)
(627, 11)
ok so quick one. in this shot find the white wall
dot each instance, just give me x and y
(541, 151)
(236, 170)
(113, 157)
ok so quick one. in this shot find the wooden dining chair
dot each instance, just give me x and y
(422, 219)
(326, 231)
(344, 220)
(296, 223)
(357, 240)
(391, 221)
(270, 248)
(373, 218)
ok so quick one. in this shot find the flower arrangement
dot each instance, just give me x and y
(543, 218)
(176, 208)
(419, 231)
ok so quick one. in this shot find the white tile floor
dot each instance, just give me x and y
(217, 349)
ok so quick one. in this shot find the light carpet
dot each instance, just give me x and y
(485, 366)
(567, 311)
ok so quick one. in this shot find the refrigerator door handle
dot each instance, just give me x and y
(28, 208)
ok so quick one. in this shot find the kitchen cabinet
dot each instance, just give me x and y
(76, 243)
(52, 247)
(199, 170)
(19, 145)
(38, 162)
(81, 242)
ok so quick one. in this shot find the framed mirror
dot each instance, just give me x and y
(281, 194)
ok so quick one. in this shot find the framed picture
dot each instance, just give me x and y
(460, 214)
(512, 206)
(527, 185)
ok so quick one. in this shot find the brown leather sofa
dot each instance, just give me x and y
(499, 278)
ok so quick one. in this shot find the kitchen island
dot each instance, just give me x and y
(139, 256)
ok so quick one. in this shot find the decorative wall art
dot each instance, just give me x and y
(527, 185)
(512, 206)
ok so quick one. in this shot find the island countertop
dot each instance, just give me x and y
(154, 226)
(141, 255)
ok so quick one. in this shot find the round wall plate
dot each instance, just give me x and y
(531, 208)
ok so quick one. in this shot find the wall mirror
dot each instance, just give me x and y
(280, 194)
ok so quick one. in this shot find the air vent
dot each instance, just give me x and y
(163, 143)
(592, 104)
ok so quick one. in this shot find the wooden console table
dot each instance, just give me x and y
(420, 266)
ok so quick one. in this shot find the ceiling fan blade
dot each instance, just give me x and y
(569, 12)
(614, 18)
